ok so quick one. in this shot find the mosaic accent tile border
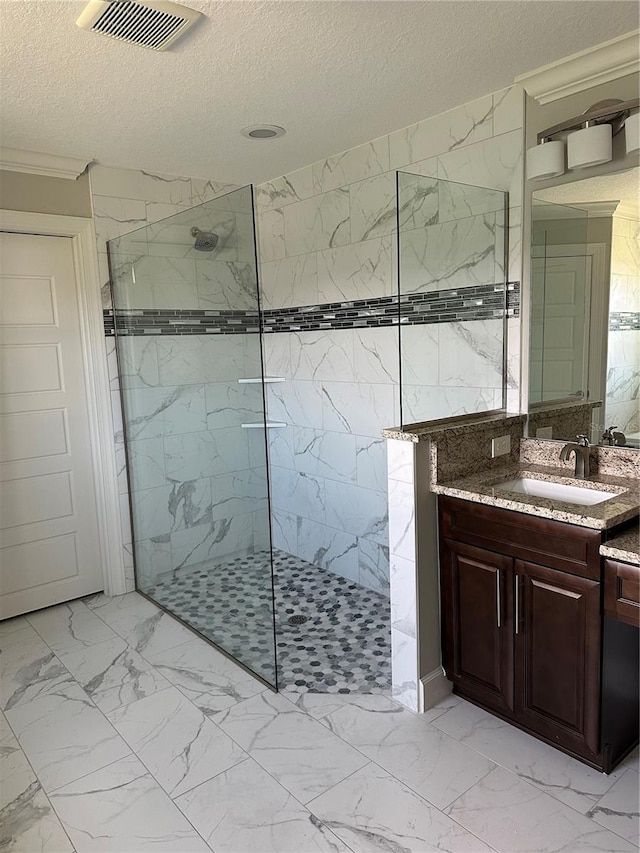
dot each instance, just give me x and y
(185, 322)
(481, 302)
(622, 321)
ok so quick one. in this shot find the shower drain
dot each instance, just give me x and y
(297, 619)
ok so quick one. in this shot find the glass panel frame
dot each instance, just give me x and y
(452, 268)
(187, 330)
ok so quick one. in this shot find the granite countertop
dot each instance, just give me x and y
(483, 488)
(459, 425)
(624, 546)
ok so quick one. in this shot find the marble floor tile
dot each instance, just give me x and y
(10, 626)
(16, 773)
(205, 676)
(28, 669)
(147, 628)
(246, 809)
(619, 809)
(371, 811)
(515, 817)
(176, 742)
(318, 705)
(547, 768)
(28, 824)
(295, 749)
(70, 627)
(103, 605)
(65, 736)
(121, 809)
(431, 763)
(633, 760)
(113, 674)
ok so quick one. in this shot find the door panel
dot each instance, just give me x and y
(478, 625)
(557, 655)
(49, 548)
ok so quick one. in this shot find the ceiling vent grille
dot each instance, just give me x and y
(154, 24)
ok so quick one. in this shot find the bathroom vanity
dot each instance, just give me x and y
(538, 626)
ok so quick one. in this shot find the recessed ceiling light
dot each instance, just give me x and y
(263, 131)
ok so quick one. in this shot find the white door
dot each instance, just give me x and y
(49, 549)
(564, 317)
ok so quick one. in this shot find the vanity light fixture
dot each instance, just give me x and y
(590, 146)
(632, 132)
(588, 137)
(545, 160)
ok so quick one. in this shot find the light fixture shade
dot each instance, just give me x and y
(545, 161)
(632, 132)
(589, 146)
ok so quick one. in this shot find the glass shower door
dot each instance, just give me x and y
(186, 308)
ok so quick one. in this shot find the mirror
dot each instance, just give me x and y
(584, 357)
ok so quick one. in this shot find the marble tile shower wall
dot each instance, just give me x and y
(623, 362)
(326, 235)
(124, 200)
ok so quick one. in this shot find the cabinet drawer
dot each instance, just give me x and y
(622, 592)
(561, 546)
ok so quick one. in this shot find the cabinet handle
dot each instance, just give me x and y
(498, 602)
(517, 613)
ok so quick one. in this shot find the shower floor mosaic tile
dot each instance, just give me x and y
(332, 635)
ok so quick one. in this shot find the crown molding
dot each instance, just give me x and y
(564, 210)
(38, 163)
(600, 64)
(628, 210)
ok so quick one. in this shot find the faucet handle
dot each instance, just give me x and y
(582, 440)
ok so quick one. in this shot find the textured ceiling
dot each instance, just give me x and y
(618, 186)
(335, 74)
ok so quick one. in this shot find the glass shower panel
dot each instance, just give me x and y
(185, 294)
(560, 304)
(452, 297)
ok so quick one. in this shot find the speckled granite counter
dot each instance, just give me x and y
(624, 546)
(459, 425)
(483, 487)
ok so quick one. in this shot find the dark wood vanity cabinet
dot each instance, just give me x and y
(479, 644)
(557, 659)
(522, 622)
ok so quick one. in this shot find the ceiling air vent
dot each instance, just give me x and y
(154, 24)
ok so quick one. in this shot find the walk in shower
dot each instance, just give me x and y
(253, 400)
(188, 327)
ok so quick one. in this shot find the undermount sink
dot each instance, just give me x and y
(557, 491)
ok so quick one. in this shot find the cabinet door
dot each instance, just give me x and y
(557, 625)
(477, 623)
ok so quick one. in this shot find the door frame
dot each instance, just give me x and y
(94, 356)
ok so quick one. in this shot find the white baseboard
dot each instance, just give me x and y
(434, 687)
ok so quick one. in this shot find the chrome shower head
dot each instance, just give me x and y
(206, 241)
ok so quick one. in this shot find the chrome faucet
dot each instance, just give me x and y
(580, 449)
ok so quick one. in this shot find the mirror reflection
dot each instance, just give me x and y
(585, 310)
